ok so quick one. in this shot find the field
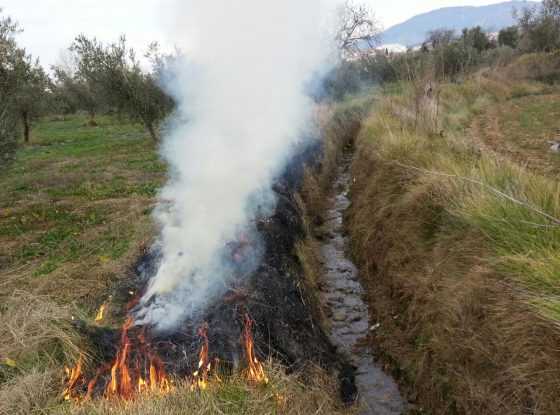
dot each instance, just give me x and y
(74, 214)
(455, 225)
(521, 129)
(74, 218)
(75, 207)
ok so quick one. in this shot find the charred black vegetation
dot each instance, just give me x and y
(275, 298)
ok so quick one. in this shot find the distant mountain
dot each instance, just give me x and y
(492, 18)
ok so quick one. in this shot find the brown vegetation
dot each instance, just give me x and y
(448, 242)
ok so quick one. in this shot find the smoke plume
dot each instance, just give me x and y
(242, 109)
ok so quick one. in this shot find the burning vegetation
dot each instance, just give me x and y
(263, 314)
(255, 371)
(137, 368)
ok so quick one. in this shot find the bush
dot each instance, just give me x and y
(499, 57)
(509, 37)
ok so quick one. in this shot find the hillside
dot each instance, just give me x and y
(492, 18)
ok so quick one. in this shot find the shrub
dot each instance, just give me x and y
(540, 27)
(509, 37)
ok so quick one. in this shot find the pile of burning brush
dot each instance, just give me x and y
(137, 369)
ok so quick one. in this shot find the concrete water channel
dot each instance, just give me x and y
(342, 297)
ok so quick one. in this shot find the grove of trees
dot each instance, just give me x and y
(445, 54)
(93, 78)
(114, 78)
(97, 78)
(540, 27)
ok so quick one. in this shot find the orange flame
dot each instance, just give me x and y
(136, 368)
(200, 376)
(255, 370)
(119, 369)
(123, 373)
(72, 375)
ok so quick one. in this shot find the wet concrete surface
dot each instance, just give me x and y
(342, 297)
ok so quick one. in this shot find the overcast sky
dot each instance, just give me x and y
(51, 25)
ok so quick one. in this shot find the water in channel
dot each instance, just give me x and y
(342, 297)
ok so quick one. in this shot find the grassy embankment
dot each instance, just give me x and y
(460, 245)
(74, 216)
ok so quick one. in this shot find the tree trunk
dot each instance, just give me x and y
(91, 122)
(26, 126)
(152, 131)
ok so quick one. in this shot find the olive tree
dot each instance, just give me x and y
(8, 84)
(509, 36)
(476, 39)
(23, 88)
(540, 26)
(31, 96)
(73, 91)
(114, 72)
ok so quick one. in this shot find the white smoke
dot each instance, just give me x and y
(242, 108)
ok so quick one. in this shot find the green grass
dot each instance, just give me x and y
(521, 223)
(77, 197)
(515, 120)
(74, 212)
(531, 121)
(515, 209)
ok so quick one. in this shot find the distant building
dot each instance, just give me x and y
(387, 50)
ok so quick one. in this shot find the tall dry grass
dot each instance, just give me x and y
(36, 340)
(459, 250)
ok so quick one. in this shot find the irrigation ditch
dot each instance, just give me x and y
(302, 306)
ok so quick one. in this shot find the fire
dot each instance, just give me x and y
(72, 376)
(255, 370)
(200, 376)
(136, 368)
(131, 375)
(100, 313)
(121, 382)
(142, 385)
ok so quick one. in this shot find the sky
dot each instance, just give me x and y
(51, 25)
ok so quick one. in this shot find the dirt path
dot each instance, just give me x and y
(520, 130)
(342, 297)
